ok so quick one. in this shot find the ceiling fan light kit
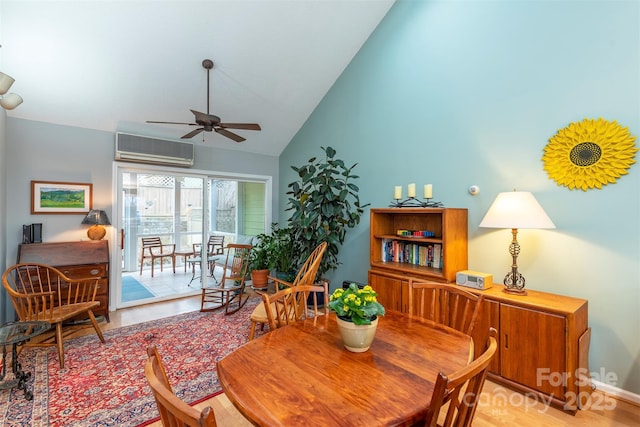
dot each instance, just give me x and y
(209, 122)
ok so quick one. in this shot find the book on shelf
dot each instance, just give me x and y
(420, 254)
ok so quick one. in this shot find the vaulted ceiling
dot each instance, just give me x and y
(113, 65)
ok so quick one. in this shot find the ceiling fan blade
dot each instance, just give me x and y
(247, 126)
(206, 118)
(192, 133)
(173, 123)
(231, 135)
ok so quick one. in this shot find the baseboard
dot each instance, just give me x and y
(618, 393)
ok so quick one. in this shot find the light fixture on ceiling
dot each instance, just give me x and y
(515, 209)
(97, 218)
(12, 100)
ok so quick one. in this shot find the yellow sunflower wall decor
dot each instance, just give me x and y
(589, 154)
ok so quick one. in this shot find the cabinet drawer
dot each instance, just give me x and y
(82, 271)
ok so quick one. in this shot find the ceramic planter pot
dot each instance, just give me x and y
(357, 338)
(259, 279)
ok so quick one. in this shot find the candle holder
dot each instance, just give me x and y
(412, 202)
(430, 204)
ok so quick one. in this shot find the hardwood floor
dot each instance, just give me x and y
(499, 406)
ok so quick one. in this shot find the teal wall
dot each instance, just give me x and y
(458, 93)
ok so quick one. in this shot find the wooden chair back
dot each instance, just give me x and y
(461, 389)
(236, 266)
(306, 277)
(153, 248)
(215, 246)
(290, 304)
(173, 411)
(445, 304)
(42, 292)
(307, 274)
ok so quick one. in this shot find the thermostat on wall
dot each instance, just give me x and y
(474, 279)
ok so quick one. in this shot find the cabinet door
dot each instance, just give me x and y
(533, 349)
(389, 291)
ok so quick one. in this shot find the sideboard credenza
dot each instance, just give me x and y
(543, 337)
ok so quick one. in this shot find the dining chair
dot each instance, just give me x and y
(229, 292)
(42, 292)
(461, 389)
(173, 410)
(153, 248)
(306, 276)
(445, 304)
(289, 305)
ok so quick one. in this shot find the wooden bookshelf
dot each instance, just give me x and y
(449, 228)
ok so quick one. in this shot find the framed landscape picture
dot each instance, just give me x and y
(61, 197)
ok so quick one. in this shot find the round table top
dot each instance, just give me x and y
(301, 374)
(17, 332)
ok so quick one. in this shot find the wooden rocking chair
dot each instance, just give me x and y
(229, 292)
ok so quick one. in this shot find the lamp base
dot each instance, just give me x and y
(514, 291)
(96, 232)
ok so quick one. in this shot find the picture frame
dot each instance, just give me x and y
(52, 197)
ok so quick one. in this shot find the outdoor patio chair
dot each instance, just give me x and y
(153, 248)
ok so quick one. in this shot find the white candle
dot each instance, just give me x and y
(411, 190)
(428, 191)
(397, 192)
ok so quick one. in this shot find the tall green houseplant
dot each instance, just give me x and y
(324, 202)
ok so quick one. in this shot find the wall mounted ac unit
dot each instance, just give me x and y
(141, 149)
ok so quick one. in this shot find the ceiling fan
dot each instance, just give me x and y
(210, 122)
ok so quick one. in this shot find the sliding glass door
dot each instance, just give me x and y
(183, 210)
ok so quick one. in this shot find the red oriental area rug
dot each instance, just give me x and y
(104, 384)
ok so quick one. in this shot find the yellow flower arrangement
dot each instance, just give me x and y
(361, 306)
(589, 154)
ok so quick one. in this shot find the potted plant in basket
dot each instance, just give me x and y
(357, 310)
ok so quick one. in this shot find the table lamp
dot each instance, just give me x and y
(514, 210)
(97, 218)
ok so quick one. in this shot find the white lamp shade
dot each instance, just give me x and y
(11, 101)
(516, 209)
(5, 83)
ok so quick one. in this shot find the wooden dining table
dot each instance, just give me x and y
(301, 374)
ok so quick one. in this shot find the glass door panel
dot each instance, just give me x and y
(185, 210)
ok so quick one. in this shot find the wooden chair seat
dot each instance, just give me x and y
(41, 292)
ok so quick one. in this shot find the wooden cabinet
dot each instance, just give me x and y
(543, 344)
(75, 260)
(543, 338)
